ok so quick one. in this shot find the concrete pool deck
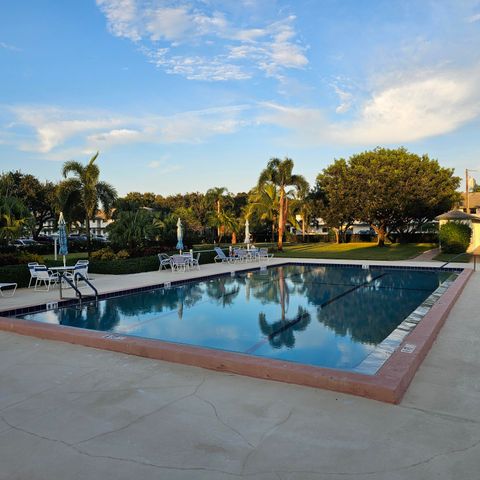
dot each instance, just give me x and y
(73, 412)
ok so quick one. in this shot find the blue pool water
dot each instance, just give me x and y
(317, 315)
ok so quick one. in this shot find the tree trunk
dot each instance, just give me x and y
(303, 228)
(381, 235)
(273, 231)
(234, 238)
(219, 228)
(281, 220)
(87, 230)
(337, 235)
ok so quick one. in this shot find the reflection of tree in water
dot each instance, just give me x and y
(282, 332)
(370, 313)
(277, 289)
(107, 314)
(223, 289)
(91, 316)
(160, 300)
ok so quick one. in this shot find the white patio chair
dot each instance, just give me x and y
(164, 260)
(8, 286)
(45, 276)
(240, 254)
(195, 261)
(33, 274)
(83, 267)
(263, 254)
(179, 263)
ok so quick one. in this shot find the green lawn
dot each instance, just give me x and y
(448, 257)
(355, 251)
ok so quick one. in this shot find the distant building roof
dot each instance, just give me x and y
(458, 215)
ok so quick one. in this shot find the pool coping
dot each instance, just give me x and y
(388, 384)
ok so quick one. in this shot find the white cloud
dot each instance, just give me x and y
(187, 40)
(411, 110)
(55, 132)
(163, 167)
(474, 18)
(7, 46)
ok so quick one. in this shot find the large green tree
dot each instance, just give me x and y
(84, 192)
(393, 190)
(39, 197)
(280, 173)
(337, 201)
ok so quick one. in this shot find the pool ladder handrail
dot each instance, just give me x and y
(75, 287)
(87, 282)
(451, 260)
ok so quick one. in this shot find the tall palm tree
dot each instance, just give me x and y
(85, 190)
(303, 205)
(279, 173)
(217, 197)
(14, 216)
(264, 202)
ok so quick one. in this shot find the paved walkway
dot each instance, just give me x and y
(427, 256)
(70, 412)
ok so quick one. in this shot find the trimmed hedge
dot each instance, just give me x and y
(124, 266)
(455, 237)
(15, 273)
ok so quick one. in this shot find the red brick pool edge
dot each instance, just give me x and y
(388, 385)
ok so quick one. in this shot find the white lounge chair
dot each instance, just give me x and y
(221, 257)
(8, 286)
(164, 260)
(45, 276)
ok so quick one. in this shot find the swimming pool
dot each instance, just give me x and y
(350, 318)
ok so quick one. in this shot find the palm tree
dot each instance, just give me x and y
(14, 216)
(217, 196)
(264, 201)
(303, 205)
(279, 173)
(85, 191)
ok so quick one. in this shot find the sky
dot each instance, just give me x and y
(181, 96)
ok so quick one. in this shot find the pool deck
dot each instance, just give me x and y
(68, 411)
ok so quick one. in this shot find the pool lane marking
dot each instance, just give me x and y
(291, 323)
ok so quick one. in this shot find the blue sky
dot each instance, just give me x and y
(184, 95)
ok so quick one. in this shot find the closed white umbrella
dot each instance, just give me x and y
(247, 233)
(62, 238)
(179, 235)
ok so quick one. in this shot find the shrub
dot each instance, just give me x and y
(123, 254)
(15, 273)
(103, 254)
(26, 257)
(19, 258)
(455, 237)
(124, 266)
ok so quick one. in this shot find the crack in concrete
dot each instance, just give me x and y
(445, 416)
(263, 437)
(223, 422)
(391, 470)
(41, 392)
(141, 417)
